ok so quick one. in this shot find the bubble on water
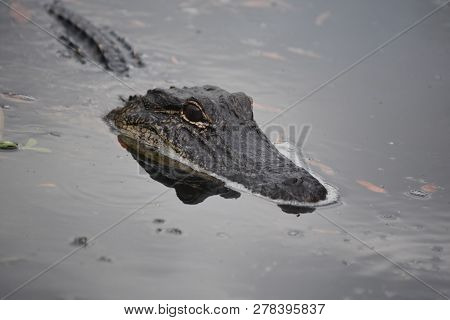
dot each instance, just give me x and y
(417, 194)
(391, 216)
(223, 235)
(105, 259)
(80, 241)
(295, 233)
(174, 231)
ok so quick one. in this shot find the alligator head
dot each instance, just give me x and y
(214, 130)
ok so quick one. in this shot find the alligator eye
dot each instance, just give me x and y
(192, 112)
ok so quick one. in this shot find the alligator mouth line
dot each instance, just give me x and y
(151, 139)
(194, 184)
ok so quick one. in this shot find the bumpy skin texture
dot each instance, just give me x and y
(113, 51)
(215, 130)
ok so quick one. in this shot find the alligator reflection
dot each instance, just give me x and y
(191, 187)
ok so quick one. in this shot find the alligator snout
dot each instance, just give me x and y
(298, 189)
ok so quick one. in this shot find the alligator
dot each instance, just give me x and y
(214, 132)
(100, 44)
(210, 131)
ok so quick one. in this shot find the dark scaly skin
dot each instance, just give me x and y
(226, 141)
(111, 50)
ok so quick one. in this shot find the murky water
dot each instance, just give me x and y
(379, 134)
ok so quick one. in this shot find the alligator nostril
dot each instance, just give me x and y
(290, 181)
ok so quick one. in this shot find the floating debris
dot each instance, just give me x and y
(305, 53)
(271, 55)
(8, 145)
(370, 186)
(324, 168)
(55, 134)
(429, 188)
(47, 185)
(158, 221)
(325, 231)
(80, 241)
(30, 145)
(16, 97)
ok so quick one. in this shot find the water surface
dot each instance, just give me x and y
(377, 133)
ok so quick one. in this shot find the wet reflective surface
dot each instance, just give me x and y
(380, 134)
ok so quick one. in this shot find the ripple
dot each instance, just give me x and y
(417, 194)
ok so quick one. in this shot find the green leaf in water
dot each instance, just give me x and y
(8, 145)
(30, 145)
(37, 149)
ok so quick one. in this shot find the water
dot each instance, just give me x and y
(376, 134)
